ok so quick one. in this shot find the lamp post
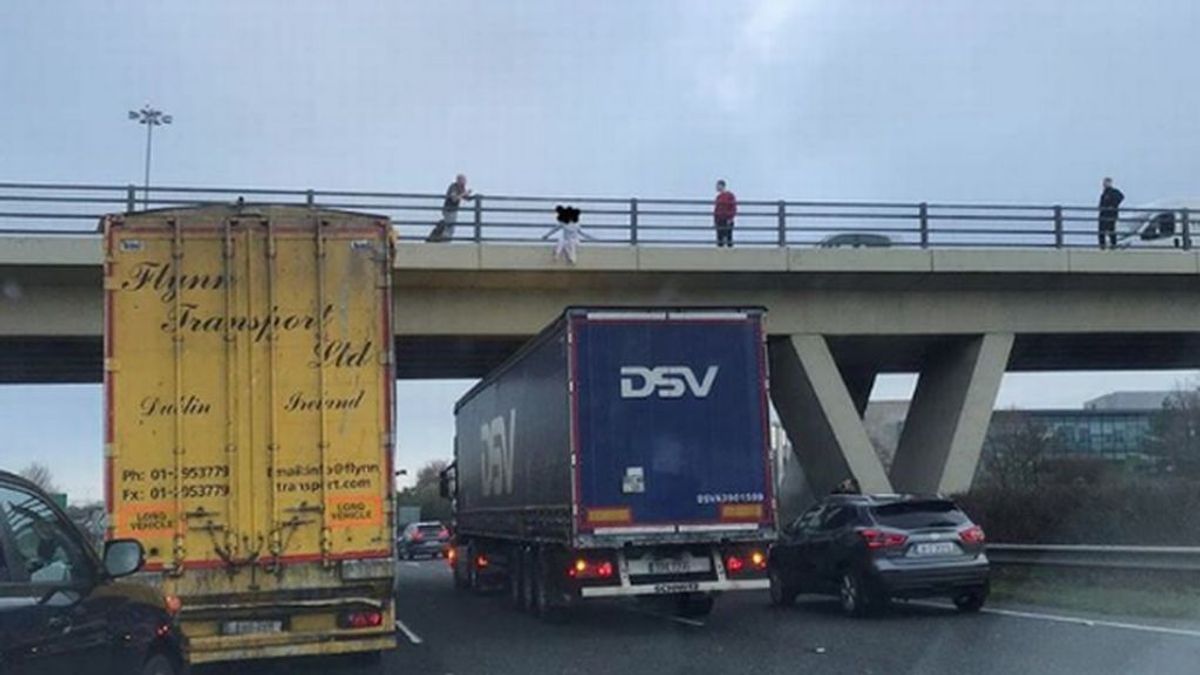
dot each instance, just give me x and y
(151, 118)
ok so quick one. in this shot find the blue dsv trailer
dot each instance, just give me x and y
(620, 452)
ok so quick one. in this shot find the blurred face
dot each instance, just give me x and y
(1107, 183)
(460, 179)
(720, 186)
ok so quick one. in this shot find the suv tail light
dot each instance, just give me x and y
(882, 539)
(417, 536)
(972, 535)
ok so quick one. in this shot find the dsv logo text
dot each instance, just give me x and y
(496, 459)
(665, 382)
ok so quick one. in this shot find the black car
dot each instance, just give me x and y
(62, 608)
(867, 549)
(423, 539)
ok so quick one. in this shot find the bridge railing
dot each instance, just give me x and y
(49, 208)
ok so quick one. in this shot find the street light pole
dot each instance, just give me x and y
(151, 118)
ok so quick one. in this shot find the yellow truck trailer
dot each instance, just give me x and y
(248, 384)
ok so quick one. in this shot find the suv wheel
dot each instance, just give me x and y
(854, 595)
(971, 601)
(782, 595)
(158, 664)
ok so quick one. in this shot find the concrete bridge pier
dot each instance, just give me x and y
(821, 407)
(949, 416)
(820, 414)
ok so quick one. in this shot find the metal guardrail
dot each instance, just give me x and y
(60, 208)
(1155, 558)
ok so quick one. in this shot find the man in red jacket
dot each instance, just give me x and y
(724, 209)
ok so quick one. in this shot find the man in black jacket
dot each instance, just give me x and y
(1110, 201)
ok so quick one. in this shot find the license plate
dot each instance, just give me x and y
(684, 587)
(670, 566)
(935, 548)
(248, 627)
(683, 565)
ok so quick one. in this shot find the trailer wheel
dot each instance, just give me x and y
(545, 606)
(460, 582)
(694, 604)
(516, 578)
(528, 582)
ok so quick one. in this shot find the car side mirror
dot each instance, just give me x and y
(123, 557)
(444, 486)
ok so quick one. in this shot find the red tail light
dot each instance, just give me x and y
(972, 535)
(481, 561)
(734, 564)
(417, 536)
(367, 619)
(877, 539)
(590, 569)
(451, 556)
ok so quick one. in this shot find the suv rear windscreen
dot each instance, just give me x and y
(916, 515)
(430, 530)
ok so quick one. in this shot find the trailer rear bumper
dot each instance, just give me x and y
(672, 588)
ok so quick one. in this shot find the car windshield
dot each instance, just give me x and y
(917, 515)
(431, 530)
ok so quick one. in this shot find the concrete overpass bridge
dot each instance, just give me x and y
(958, 316)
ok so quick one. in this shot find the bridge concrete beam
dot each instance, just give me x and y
(819, 414)
(949, 416)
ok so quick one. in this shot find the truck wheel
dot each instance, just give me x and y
(694, 604)
(516, 579)
(782, 595)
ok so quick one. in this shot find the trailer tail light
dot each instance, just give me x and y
(583, 568)
(758, 560)
(972, 535)
(734, 564)
(371, 618)
(173, 604)
(481, 561)
(882, 539)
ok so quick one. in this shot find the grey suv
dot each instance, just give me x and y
(867, 549)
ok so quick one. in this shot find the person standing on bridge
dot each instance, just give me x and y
(455, 194)
(1110, 202)
(724, 209)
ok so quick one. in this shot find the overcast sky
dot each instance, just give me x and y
(938, 101)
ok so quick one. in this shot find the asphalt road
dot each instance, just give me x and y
(448, 631)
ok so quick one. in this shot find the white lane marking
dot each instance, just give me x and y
(1079, 621)
(670, 617)
(412, 637)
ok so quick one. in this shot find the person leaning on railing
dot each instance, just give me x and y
(455, 194)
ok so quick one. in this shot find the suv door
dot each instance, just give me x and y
(824, 543)
(49, 624)
(792, 556)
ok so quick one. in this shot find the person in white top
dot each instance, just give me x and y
(569, 234)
